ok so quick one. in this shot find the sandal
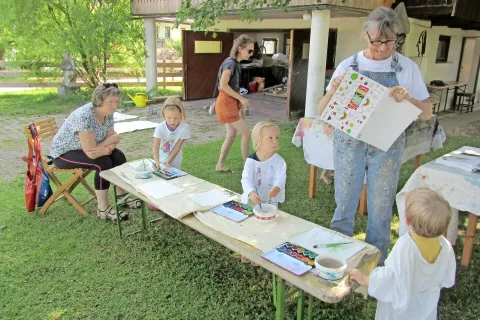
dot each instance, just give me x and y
(132, 203)
(109, 214)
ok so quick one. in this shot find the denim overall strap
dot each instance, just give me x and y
(351, 159)
(396, 67)
(354, 63)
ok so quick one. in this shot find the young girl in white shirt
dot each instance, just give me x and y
(265, 172)
(170, 135)
(421, 263)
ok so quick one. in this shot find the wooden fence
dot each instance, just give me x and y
(169, 74)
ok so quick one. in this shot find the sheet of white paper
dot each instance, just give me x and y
(318, 236)
(229, 213)
(388, 121)
(117, 116)
(130, 126)
(286, 262)
(158, 189)
(210, 198)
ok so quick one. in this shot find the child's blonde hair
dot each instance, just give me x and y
(258, 131)
(428, 212)
(174, 103)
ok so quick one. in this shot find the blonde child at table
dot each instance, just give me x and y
(170, 135)
(265, 172)
(421, 263)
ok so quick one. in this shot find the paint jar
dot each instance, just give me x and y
(329, 267)
(267, 212)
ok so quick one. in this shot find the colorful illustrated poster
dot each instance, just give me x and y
(363, 109)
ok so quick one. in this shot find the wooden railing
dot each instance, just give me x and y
(170, 7)
(169, 74)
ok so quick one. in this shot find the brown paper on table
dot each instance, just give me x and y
(267, 235)
(177, 205)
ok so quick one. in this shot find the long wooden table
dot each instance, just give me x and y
(305, 284)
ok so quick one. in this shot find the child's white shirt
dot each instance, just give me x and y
(264, 175)
(168, 140)
(408, 286)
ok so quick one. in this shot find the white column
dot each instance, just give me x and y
(317, 60)
(151, 49)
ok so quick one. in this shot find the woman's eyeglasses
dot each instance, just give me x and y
(250, 51)
(108, 85)
(378, 43)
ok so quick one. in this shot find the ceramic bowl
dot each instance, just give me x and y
(268, 212)
(329, 267)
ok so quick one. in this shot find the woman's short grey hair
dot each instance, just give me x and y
(103, 91)
(382, 19)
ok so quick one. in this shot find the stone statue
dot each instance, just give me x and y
(69, 73)
(69, 81)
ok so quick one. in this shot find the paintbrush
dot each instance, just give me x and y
(260, 203)
(125, 176)
(331, 245)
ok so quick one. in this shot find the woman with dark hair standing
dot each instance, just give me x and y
(231, 106)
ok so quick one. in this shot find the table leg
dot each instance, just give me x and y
(300, 304)
(274, 287)
(280, 307)
(310, 307)
(117, 210)
(144, 214)
(469, 238)
(313, 181)
(446, 98)
(418, 161)
(362, 207)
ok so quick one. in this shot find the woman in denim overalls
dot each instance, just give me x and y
(352, 157)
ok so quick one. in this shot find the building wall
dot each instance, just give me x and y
(432, 70)
(349, 35)
(175, 34)
(350, 40)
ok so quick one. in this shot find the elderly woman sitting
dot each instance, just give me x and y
(87, 140)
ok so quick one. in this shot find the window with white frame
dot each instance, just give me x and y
(270, 45)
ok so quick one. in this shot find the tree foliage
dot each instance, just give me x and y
(95, 32)
(207, 14)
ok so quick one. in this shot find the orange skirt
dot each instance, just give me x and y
(227, 108)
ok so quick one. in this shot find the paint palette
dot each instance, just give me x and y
(299, 253)
(234, 210)
(169, 173)
(292, 257)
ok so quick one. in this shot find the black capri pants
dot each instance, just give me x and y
(78, 159)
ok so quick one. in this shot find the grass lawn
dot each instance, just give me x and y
(63, 266)
(46, 101)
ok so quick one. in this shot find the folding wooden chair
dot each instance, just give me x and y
(48, 128)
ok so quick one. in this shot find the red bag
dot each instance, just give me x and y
(34, 172)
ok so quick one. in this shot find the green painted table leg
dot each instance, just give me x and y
(274, 286)
(280, 307)
(144, 215)
(117, 211)
(310, 307)
(300, 304)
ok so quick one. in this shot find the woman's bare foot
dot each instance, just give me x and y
(223, 169)
(326, 176)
